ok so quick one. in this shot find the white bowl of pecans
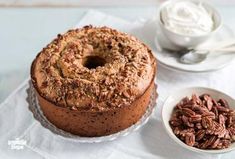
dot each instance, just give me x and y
(201, 119)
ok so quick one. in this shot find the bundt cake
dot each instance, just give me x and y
(94, 81)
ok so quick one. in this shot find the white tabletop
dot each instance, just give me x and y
(25, 31)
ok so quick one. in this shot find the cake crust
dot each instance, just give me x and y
(95, 124)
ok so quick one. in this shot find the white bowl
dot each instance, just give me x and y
(189, 41)
(174, 98)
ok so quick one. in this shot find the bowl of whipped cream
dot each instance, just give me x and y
(188, 23)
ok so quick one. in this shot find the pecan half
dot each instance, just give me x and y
(200, 134)
(190, 139)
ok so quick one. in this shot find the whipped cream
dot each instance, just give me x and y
(187, 18)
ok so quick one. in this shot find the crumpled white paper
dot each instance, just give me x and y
(151, 141)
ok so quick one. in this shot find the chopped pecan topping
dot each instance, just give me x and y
(96, 64)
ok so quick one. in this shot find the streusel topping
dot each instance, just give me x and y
(93, 68)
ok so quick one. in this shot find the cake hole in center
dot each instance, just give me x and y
(91, 62)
